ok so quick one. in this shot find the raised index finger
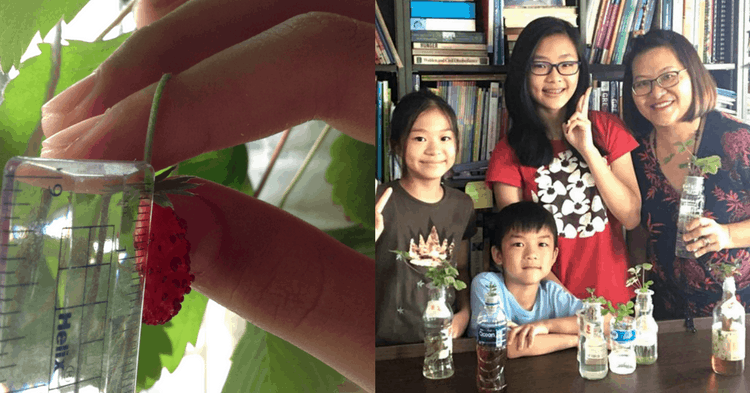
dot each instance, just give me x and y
(383, 200)
(583, 103)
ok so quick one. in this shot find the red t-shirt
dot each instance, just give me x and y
(592, 247)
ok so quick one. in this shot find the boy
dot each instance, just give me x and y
(541, 313)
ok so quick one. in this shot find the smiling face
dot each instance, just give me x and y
(553, 91)
(430, 147)
(663, 107)
(526, 257)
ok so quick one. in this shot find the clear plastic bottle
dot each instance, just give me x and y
(622, 357)
(691, 207)
(492, 351)
(593, 364)
(438, 340)
(646, 329)
(728, 333)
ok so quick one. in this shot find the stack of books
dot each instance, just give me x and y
(385, 50)
(445, 33)
(726, 101)
(519, 13)
(612, 23)
(606, 96)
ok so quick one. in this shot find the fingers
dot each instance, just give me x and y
(283, 275)
(380, 205)
(249, 91)
(146, 12)
(186, 36)
(583, 103)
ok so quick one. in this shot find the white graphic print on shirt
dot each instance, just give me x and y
(566, 188)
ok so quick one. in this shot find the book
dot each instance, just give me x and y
(611, 24)
(448, 60)
(443, 9)
(447, 36)
(601, 30)
(626, 25)
(448, 45)
(521, 16)
(498, 57)
(463, 77)
(387, 40)
(592, 13)
(448, 52)
(678, 13)
(442, 24)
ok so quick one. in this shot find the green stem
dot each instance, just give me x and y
(297, 175)
(152, 117)
(274, 157)
(124, 12)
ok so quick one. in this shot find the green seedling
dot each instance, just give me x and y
(443, 275)
(697, 166)
(641, 285)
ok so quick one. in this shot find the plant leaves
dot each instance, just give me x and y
(356, 237)
(21, 19)
(20, 111)
(350, 174)
(227, 167)
(164, 345)
(264, 363)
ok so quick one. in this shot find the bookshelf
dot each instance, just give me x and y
(734, 77)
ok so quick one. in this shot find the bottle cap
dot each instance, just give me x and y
(729, 285)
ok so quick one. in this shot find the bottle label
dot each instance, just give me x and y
(728, 345)
(622, 336)
(491, 335)
(595, 351)
(447, 347)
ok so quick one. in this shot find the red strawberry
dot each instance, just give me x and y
(167, 270)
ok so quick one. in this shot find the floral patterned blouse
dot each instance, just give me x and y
(685, 288)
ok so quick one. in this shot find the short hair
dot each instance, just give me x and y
(406, 113)
(525, 216)
(704, 86)
(527, 134)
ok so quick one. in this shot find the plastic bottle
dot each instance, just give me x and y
(438, 340)
(691, 207)
(593, 364)
(728, 333)
(492, 351)
(646, 328)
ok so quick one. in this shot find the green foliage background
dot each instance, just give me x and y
(262, 362)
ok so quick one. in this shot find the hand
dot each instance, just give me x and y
(379, 226)
(243, 70)
(523, 335)
(704, 235)
(577, 130)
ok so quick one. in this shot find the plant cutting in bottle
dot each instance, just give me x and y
(724, 269)
(697, 166)
(641, 285)
(444, 274)
(619, 312)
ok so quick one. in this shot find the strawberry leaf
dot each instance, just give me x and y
(350, 173)
(21, 19)
(263, 362)
(164, 345)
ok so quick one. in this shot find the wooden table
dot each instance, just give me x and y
(684, 366)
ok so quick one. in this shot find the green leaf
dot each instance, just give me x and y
(227, 167)
(647, 266)
(668, 158)
(164, 346)
(20, 111)
(21, 19)
(460, 285)
(264, 363)
(350, 174)
(356, 237)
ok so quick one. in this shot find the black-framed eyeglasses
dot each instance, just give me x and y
(667, 79)
(563, 68)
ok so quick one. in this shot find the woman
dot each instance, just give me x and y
(671, 97)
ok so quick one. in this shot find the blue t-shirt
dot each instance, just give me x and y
(552, 301)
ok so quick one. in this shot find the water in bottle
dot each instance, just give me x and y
(438, 340)
(492, 350)
(691, 207)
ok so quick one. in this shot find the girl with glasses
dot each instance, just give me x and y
(574, 162)
(671, 99)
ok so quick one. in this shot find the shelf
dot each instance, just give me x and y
(386, 68)
(460, 68)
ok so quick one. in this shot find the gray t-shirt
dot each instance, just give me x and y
(401, 292)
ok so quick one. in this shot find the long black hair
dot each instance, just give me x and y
(704, 86)
(406, 113)
(527, 135)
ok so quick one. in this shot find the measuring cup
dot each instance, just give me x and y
(72, 234)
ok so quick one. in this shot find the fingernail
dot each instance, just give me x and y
(68, 107)
(62, 141)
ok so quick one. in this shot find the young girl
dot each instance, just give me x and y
(574, 162)
(418, 214)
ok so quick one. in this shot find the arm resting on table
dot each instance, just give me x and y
(544, 344)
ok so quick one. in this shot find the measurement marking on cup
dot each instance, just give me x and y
(12, 339)
(19, 285)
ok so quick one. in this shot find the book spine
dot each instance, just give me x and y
(448, 52)
(447, 36)
(441, 24)
(678, 9)
(447, 60)
(387, 41)
(498, 34)
(602, 30)
(626, 27)
(611, 28)
(649, 14)
(380, 38)
(604, 105)
(448, 45)
(492, 123)
(591, 21)
(443, 9)
(666, 14)
(379, 127)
